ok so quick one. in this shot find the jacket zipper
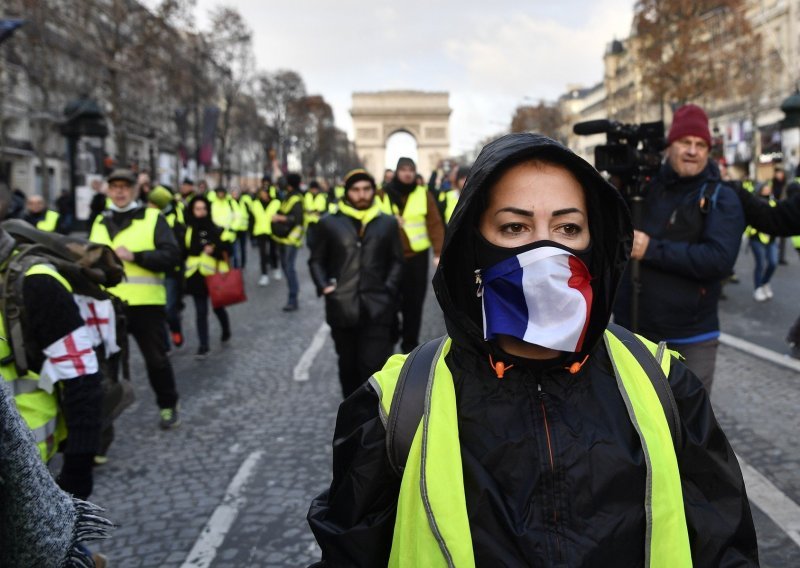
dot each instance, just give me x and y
(541, 396)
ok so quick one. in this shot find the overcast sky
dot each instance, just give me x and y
(490, 55)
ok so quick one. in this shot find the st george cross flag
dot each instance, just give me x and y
(541, 296)
(69, 357)
(99, 318)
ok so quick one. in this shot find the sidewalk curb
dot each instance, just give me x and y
(760, 352)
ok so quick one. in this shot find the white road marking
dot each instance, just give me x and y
(772, 501)
(303, 366)
(220, 522)
(760, 352)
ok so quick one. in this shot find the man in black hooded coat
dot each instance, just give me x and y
(570, 495)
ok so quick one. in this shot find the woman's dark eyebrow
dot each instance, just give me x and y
(558, 212)
(515, 210)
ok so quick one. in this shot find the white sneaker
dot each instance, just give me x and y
(760, 295)
(264, 280)
(276, 274)
(768, 291)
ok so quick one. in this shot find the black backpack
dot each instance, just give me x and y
(87, 266)
(409, 395)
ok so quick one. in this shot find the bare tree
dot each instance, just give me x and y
(543, 118)
(277, 94)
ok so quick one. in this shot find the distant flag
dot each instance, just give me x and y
(8, 27)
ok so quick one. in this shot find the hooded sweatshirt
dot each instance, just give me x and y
(554, 473)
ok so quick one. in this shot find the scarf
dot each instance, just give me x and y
(363, 216)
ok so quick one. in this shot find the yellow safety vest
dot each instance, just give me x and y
(224, 213)
(141, 287)
(262, 216)
(242, 213)
(49, 223)
(755, 233)
(295, 236)
(314, 207)
(451, 200)
(413, 215)
(384, 202)
(203, 263)
(339, 192)
(38, 408)
(432, 526)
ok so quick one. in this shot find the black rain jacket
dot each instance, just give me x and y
(366, 265)
(554, 472)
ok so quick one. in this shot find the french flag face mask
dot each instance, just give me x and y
(541, 295)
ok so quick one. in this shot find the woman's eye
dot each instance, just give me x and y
(571, 229)
(512, 228)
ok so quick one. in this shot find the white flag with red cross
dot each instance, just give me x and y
(99, 318)
(70, 357)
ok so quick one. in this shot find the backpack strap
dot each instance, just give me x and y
(652, 367)
(408, 402)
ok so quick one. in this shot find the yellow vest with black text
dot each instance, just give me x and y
(203, 263)
(49, 223)
(414, 214)
(141, 287)
(38, 408)
(262, 216)
(295, 236)
(314, 206)
(432, 525)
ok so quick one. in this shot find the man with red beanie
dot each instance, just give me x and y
(687, 242)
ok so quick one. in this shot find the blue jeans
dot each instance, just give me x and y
(288, 255)
(763, 254)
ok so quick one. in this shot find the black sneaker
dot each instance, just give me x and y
(169, 418)
(202, 353)
(290, 308)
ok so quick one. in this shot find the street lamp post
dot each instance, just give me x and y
(82, 117)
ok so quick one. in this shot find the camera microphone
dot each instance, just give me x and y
(592, 127)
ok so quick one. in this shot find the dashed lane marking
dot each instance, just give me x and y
(220, 522)
(760, 352)
(303, 366)
(772, 501)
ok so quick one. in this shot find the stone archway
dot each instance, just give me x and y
(424, 115)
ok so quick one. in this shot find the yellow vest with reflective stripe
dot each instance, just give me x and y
(295, 236)
(314, 206)
(141, 287)
(432, 525)
(49, 223)
(262, 216)
(203, 263)
(38, 408)
(223, 214)
(413, 215)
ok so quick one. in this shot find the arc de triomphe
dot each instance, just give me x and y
(424, 115)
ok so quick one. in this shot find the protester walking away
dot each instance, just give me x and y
(272, 245)
(38, 215)
(224, 211)
(687, 244)
(315, 205)
(40, 524)
(263, 208)
(205, 255)
(161, 198)
(421, 228)
(287, 230)
(356, 263)
(144, 242)
(765, 253)
(544, 439)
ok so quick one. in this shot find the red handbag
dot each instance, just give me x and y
(226, 288)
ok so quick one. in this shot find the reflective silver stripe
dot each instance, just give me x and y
(423, 485)
(24, 386)
(414, 225)
(41, 433)
(153, 280)
(377, 387)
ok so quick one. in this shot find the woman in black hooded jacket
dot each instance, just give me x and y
(553, 468)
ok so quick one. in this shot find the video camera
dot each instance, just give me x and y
(632, 152)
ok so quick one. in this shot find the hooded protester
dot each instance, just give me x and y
(421, 226)
(356, 263)
(205, 255)
(539, 443)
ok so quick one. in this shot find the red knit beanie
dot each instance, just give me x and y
(689, 120)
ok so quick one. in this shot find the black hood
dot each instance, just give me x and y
(609, 224)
